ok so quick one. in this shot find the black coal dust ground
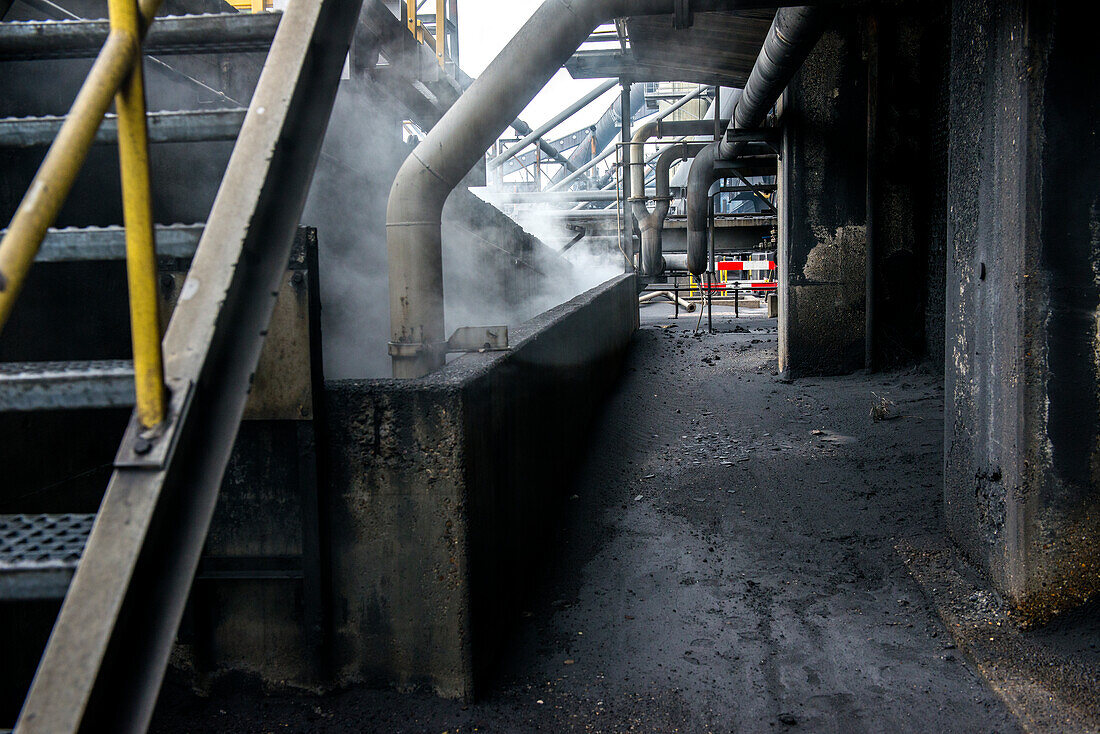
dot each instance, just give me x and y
(728, 563)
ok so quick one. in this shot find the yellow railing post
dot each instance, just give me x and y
(410, 19)
(141, 256)
(441, 33)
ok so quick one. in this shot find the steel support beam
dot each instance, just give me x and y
(106, 658)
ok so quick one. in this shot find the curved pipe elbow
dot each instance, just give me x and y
(651, 225)
(700, 177)
(637, 159)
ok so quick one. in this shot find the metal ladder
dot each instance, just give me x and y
(125, 572)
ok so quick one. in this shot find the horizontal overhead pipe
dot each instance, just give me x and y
(459, 140)
(791, 37)
(555, 197)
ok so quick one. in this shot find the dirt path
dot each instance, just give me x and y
(728, 563)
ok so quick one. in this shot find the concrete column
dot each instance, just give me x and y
(1022, 355)
(822, 179)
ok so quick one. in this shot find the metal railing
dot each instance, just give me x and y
(115, 75)
(439, 40)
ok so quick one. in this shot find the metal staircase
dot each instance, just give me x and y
(126, 571)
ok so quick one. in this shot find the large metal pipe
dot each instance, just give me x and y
(791, 37)
(652, 224)
(657, 128)
(458, 141)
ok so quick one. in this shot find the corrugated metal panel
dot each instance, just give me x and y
(717, 44)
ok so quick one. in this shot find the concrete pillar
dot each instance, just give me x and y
(1022, 431)
(822, 177)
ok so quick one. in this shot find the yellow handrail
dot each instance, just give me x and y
(137, 213)
(111, 74)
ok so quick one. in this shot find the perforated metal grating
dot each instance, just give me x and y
(43, 541)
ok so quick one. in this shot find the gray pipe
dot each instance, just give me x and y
(652, 224)
(658, 128)
(790, 39)
(458, 141)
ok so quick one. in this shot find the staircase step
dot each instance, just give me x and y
(27, 386)
(176, 34)
(39, 554)
(76, 244)
(173, 126)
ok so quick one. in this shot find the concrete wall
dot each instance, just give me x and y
(824, 178)
(909, 180)
(442, 489)
(1022, 435)
(822, 218)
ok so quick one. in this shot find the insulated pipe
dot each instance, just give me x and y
(459, 140)
(790, 39)
(652, 224)
(670, 295)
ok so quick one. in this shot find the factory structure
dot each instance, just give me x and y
(308, 341)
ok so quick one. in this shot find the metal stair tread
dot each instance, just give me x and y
(73, 244)
(27, 386)
(170, 34)
(165, 126)
(40, 553)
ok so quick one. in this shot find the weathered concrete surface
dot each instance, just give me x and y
(721, 568)
(1022, 432)
(441, 489)
(909, 180)
(822, 185)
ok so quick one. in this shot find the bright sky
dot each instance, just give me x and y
(485, 26)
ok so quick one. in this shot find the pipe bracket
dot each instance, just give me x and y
(465, 339)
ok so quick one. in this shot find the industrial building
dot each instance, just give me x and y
(337, 396)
